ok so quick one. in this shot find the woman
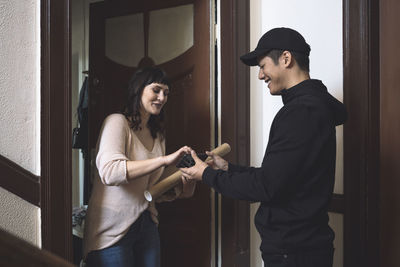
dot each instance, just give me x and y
(121, 226)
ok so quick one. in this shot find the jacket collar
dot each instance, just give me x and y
(306, 87)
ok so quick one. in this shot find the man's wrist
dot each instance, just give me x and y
(206, 173)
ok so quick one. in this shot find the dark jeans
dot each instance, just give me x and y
(315, 258)
(140, 247)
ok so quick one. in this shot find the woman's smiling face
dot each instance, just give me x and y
(154, 97)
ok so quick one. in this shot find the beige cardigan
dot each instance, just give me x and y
(116, 203)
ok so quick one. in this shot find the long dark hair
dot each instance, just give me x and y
(140, 79)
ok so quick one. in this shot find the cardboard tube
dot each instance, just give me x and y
(174, 179)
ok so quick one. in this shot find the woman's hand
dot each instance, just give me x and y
(216, 162)
(138, 168)
(174, 157)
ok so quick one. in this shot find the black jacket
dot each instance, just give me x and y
(295, 181)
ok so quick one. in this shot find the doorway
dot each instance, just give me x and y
(57, 124)
(110, 41)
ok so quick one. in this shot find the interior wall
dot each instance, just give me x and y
(389, 133)
(19, 80)
(20, 217)
(20, 109)
(321, 25)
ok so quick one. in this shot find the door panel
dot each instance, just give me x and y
(125, 36)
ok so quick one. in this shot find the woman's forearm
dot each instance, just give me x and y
(138, 168)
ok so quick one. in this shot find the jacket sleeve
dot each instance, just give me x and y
(238, 168)
(111, 157)
(292, 135)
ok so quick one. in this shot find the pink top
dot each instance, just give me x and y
(115, 202)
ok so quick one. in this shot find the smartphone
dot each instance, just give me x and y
(187, 160)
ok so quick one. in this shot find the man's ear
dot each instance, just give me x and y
(287, 58)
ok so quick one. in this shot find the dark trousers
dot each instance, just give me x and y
(315, 258)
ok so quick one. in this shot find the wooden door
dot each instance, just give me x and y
(174, 35)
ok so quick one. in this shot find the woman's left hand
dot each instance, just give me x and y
(174, 157)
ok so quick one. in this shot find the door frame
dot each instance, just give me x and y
(235, 126)
(56, 128)
(56, 177)
(361, 90)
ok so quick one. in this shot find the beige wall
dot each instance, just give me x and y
(20, 108)
(20, 217)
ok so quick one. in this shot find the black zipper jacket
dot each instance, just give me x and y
(295, 182)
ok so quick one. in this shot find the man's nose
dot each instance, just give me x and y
(261, 75)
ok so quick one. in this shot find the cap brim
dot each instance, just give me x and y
(250, 58)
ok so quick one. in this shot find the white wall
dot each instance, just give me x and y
(20, 217)
(320, 22)
(20, 108)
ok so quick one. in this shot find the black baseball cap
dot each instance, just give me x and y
(277, 38)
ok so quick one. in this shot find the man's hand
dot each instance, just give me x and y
(216, 162)
(195, 172)
(188, 187)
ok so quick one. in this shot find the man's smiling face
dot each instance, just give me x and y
(272, 74)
